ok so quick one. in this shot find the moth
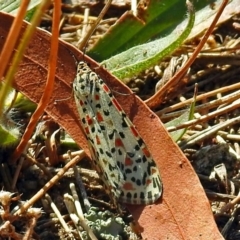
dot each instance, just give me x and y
(119, 154)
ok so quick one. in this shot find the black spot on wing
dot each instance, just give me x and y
(98, 105)
(102, 127)
(93, 129)
(106, 112)
(128, 171)
(108, 154)
(121, 134)
(83, 120)
(138, 182)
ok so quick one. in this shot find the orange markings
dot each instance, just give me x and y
(89, 120)
(128, 186)
(99, 117)
(116, 104)
(87, 130)
(106, 89)
(148, 182)
(128, 162)
(97, 97)
(146, 152)
(153, 170)
(134, 131)
(98, 140)
(118, 142)
(81, 103)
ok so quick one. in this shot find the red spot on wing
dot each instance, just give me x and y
(98, 140)
(148, 182)
(93, 151)
(89, 120)
(134, 131)
(81, 102)
(105, 88)
(128, 162)
(128, 186)
(146, 152)
(99, 117)
(117, 105)
(87, 130)
(97, 97)
(118, 142)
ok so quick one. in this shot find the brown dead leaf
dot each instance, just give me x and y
(184, 211)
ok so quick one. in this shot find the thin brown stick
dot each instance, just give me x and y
(48, 185)
(12, 37)
(203, 107)
(159, 96)
(206, 117)
(83, 43)
(52, 63)
(207, 132)
(7, 52)
(199, 97)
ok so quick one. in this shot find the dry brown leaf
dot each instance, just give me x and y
(184, 211)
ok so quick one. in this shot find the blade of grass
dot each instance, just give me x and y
(141, 57)
(49, 184)
(52, 62)
(83, 43)
(8, 49)
(186, 116)
(158, 97)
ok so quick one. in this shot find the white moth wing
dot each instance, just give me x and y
(119, 152)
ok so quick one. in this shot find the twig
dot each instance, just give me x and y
(78, 220)
(206, 106)
(83, 43)
(158, 97)
(207, 132)
(48, 185)
(81, 188)
(200, 97)
(9, 46)
(52, 63)
(211, 115)
(59, 215)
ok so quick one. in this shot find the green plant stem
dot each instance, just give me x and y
(8, 46)
(21, 48)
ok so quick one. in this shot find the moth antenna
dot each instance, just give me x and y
(82, 45)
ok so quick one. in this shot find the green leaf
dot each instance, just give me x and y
(141, 57)
(130, 31)
(21, 102)
(155, 19)
(11, 6)
(9, 136)
(186, 116)
(176, 135)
